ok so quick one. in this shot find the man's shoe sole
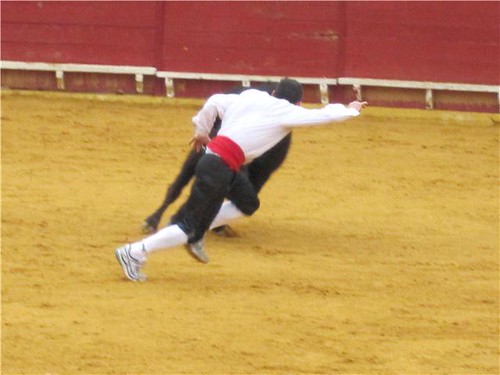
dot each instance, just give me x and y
(124, 264)
(203, 258)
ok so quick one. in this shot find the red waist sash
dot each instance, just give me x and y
(228, 151)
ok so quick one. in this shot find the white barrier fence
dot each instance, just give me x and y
(60, 69)
(323, 83)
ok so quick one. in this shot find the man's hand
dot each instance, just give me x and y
(358, 106)
(199, 141)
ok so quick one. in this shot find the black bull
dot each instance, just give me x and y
(259, 170)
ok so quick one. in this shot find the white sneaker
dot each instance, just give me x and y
(197, 252)
(131, 266)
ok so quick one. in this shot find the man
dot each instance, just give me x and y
(259, 171)
(252, 123)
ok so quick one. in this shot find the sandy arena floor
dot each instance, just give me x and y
(375, 251)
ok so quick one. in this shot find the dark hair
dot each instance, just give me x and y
(290, 90)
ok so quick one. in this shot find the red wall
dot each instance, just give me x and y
(270, 38)
(422, 41)
(107, 32)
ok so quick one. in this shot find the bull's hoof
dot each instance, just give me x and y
(225, 231)
(148, 228)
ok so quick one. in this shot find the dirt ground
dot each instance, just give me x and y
(375, 251)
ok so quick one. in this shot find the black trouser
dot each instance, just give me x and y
(259, 171)
(213, 182)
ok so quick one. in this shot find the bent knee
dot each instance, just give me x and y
(249, 208)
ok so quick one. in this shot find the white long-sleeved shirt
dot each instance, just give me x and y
(256, 121)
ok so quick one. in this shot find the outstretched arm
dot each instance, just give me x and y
(357, 105)
(300, 116)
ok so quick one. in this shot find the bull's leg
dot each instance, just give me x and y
(261, 169)
(174, 190)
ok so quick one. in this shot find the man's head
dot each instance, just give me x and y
(290, 90)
